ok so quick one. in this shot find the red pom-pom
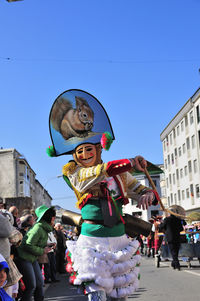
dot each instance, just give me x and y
(106, 140)
(69, 268)
(72, 279)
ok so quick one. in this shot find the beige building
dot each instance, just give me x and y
(181, 152)
(17, 180)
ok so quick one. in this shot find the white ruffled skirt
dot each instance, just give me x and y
(106, 263)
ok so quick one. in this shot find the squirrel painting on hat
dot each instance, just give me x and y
(103, 260)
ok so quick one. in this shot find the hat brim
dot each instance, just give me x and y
(39, 218)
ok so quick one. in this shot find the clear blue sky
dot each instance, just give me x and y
(139, 58)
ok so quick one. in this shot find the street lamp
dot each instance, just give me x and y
(44, 191)
(60, 176)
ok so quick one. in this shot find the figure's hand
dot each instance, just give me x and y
(139, 163)
(146, 200)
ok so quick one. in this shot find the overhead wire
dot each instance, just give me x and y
(107, 61)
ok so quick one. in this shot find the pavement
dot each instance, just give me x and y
(62, 290)
(157, 284)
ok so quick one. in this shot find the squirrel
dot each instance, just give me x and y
(72, 122)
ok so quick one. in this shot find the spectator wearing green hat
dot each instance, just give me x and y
(34, 244)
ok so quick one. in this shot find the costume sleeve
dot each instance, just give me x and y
(83, 178)
(134, 188)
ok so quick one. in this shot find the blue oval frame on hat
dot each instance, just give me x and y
(77, 117)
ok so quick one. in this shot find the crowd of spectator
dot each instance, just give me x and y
(32, 252)
(167, 236)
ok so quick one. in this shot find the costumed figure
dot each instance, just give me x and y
(103, 260)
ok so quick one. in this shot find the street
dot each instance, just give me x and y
(157, 284)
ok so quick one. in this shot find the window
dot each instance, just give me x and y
(168, 200)
(163, 191)
(182, 126)
(155, 182)
(165, 163)
(189, 166)
(199, 136)
(195, 166)
(137, 214)
(174, 133)
(154, 212)
(21, 174)
(183, 195)
(192, 193)
(186, 170)
(191, 190)
(186, 121)
(172, 158)
(21, 187)
(187, 193)
(175, 152)
(174, 181)
(191, 117)
(177, 129)
(181, 172)
(171, 196)
(168, 159)
(170, 139)
(177, 174)
(170, 179)
(193, 141)
(175, 199)
(198, 115)
(179, 151)
(132, 202)
(179, 195)
(197, 191)
(167, 182)
(188, 143)
(183, 148)
(164, 146)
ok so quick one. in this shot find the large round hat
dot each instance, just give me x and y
(178, 210)
(77, 117)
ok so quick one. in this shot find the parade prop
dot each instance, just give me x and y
(133, 225)
(103, 260)
(77, 117)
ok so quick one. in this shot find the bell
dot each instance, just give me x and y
(71, 218)
(135, 226)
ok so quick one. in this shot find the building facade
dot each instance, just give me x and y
(17, 180)
(181, 153)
